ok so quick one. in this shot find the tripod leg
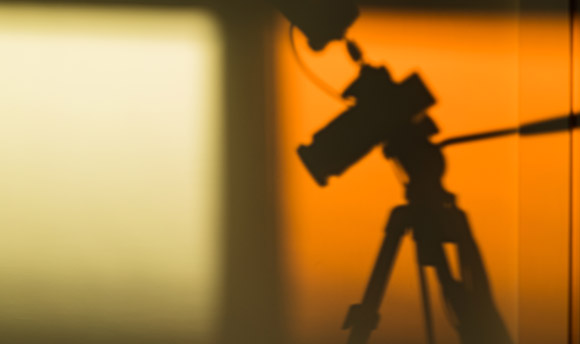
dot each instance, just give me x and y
(469, 300)
(363, 318)
(426, 303)
(483, 323)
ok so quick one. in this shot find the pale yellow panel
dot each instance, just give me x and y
(110, 150)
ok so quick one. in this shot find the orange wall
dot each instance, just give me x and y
(487, 72)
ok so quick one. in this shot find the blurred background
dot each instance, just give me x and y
(151, 190)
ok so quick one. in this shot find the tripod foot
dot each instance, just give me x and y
(359, 316)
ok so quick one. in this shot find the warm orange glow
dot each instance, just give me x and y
(544, 180)
(576, 183)
(471, 64)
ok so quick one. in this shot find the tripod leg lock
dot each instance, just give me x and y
(361, 317)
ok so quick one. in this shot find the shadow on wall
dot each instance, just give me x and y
(394, 116)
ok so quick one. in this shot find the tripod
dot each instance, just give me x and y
(469, 300)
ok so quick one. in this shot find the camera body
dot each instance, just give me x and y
(383, 109)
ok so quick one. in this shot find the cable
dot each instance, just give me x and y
(315, 79)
